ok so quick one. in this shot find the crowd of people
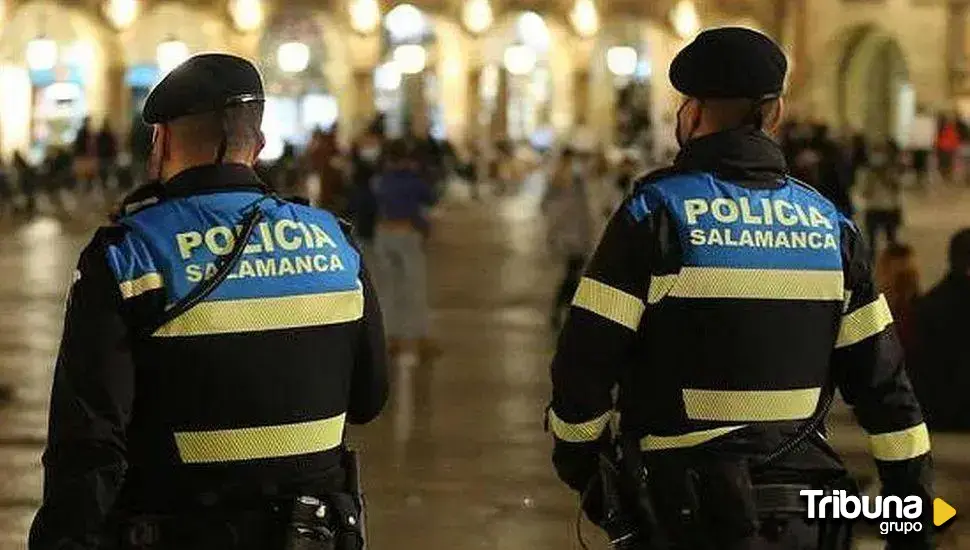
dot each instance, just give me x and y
(385, 187)
(94, 165)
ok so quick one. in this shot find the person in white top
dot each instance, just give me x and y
(882, 192)
(922, 140)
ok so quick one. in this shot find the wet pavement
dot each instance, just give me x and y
(459, 459)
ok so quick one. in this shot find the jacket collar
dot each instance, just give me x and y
(212, 178)
(198, 180)
(744, 155)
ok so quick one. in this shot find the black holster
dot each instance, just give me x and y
(266, 524)
(703, 502)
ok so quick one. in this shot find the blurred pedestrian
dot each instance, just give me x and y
(566, 205)
(922, 140)
(964, 152)
(26, 181)
(897, 277)
(626, 173)
(6, 188)
(323, 155)
(882, 191)
(107, 148)
(823, 165)
(365, 163)
(140, 146)
(403, 198)
(858, 152)
(58, 175)
(940, 364)
(85, 157)
(947, 144)
(285, 174)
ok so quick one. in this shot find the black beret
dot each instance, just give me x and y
(729, 63)
(203, 83)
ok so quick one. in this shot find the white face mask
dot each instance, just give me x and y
(370, 154)
(579, 167)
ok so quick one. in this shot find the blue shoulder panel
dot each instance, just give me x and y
(647, 198)
(722, 224)
(294, 250)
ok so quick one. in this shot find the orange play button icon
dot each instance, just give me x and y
(942, 512)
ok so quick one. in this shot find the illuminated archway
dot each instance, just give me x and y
(300, 99)
(70, 51)
(518, 77)
(868, 86)
(407, 87)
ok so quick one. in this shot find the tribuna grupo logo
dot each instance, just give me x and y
(895, 514)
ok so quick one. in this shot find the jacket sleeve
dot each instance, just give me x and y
(596, 339)
(369, 380)
(868, 365)
(84, 462)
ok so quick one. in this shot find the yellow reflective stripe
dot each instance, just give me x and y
(660, 286)
(260, 442)
(690, 439)
(901, 445)
(254, 314)
(581, 432)
(758, 284)
(134, 287)
(608, 302)
(869, 320)
(750, 405)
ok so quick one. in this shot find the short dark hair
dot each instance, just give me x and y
(960, 251)
(731, 113)
(397, 150)
(241, 124)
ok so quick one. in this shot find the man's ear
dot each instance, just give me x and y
(164, 140)
(260, 143)
(772, 113)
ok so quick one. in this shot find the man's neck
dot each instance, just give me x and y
(170, 170)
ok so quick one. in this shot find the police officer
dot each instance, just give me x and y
(217, 339)
(727, 300)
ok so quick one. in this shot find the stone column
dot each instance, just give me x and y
(364, 107)
(473, 116)
(415, 103)
(581, 104)
(500, 118)
(117, 103)
(956, 46)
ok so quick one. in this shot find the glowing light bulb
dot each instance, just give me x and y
(477, 15)
(365, 15)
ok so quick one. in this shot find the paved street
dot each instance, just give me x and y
(459, 459)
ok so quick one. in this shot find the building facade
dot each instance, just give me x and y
(469, 69)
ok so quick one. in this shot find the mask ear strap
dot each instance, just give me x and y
(756, 116)
(697, 120)
(224, 138)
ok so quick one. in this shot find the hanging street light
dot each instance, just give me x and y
(41, 54)
(685, 19)
(121, 13)
(293, 57)
(622, 60)
(477, 15)
(387, 77)
(584, 18)
(247, 15)
(520, 59)
(170, 54)
(405, 23)
(410, 58)
(365, 15)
